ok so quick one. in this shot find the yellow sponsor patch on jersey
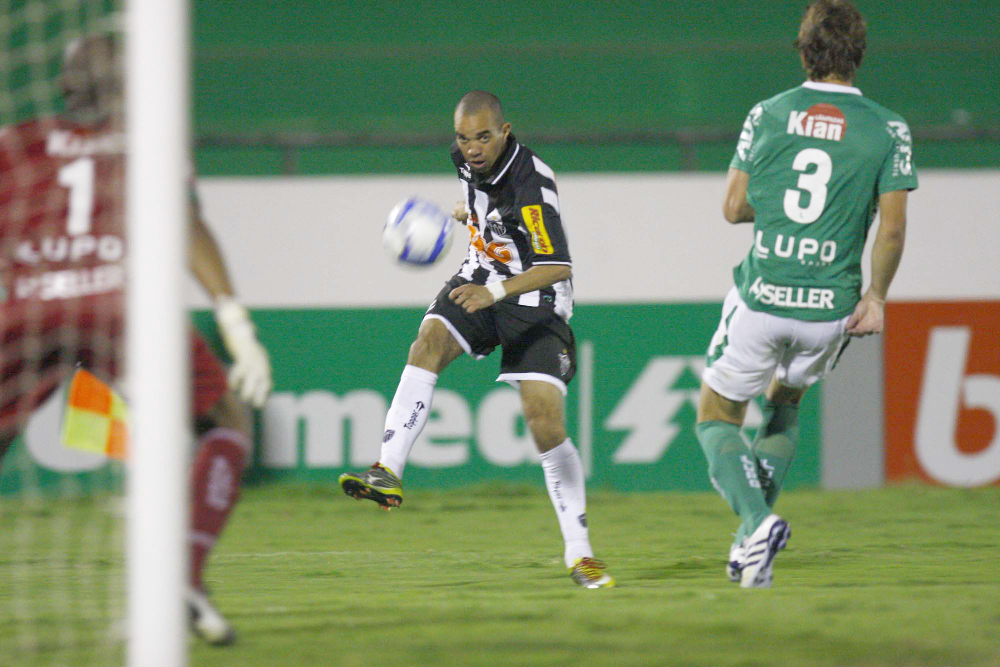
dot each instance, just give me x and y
(536, 227)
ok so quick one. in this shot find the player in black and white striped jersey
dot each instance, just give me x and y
(514, 290)
(513, 217)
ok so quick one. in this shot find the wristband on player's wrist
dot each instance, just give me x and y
(497, 290)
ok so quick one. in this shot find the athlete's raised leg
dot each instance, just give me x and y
(432, 351)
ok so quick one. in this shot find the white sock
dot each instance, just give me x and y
(565, 480)
(406, 417)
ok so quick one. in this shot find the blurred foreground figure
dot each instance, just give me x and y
(812, 167)
(61, 296)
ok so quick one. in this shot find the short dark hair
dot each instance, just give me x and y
(476, 100)
(832, 39)
(91, 73)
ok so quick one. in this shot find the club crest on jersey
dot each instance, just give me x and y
(820, 121)
(495, 223)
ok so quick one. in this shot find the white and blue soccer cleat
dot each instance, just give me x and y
(762, 546)
(737, 554)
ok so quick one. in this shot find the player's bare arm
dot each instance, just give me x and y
(476, 297)
(205, 258)
(250, 375)
(869, 314)
(734, 204)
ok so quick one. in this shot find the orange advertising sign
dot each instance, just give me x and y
(942, 392)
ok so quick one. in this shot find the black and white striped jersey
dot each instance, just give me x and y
(514, 223)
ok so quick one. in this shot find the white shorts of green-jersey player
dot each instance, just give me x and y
(750, 347)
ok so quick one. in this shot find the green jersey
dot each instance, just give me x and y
(818, 157)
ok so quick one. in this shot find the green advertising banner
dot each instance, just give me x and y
(630, 409)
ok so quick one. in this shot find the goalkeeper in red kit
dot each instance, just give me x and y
(61, 294)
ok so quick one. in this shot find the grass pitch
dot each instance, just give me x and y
(902, 576)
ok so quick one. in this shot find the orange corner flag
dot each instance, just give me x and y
(96, 418)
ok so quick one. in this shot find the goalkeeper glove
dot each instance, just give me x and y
(250, 375)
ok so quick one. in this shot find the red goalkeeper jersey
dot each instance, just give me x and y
(62, 252)
(61, 204)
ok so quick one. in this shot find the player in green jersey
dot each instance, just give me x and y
(812, 167)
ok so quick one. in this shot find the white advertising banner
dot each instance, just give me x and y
(635, 238)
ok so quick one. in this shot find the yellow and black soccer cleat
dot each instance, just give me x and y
(378, 483)
(591, 573)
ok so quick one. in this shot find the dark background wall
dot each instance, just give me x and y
(322, 86)
(598, 85)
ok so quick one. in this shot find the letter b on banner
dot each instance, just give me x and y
(943, 393)
(944, 390)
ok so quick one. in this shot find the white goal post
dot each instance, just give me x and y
(156, 111)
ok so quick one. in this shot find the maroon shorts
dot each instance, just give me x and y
(41, 343)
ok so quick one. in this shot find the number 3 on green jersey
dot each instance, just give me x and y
(814, 183)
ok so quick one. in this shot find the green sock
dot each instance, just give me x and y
(742, 531)
(733, 471)
(774, 446)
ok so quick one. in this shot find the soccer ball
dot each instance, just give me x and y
(417, 232)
